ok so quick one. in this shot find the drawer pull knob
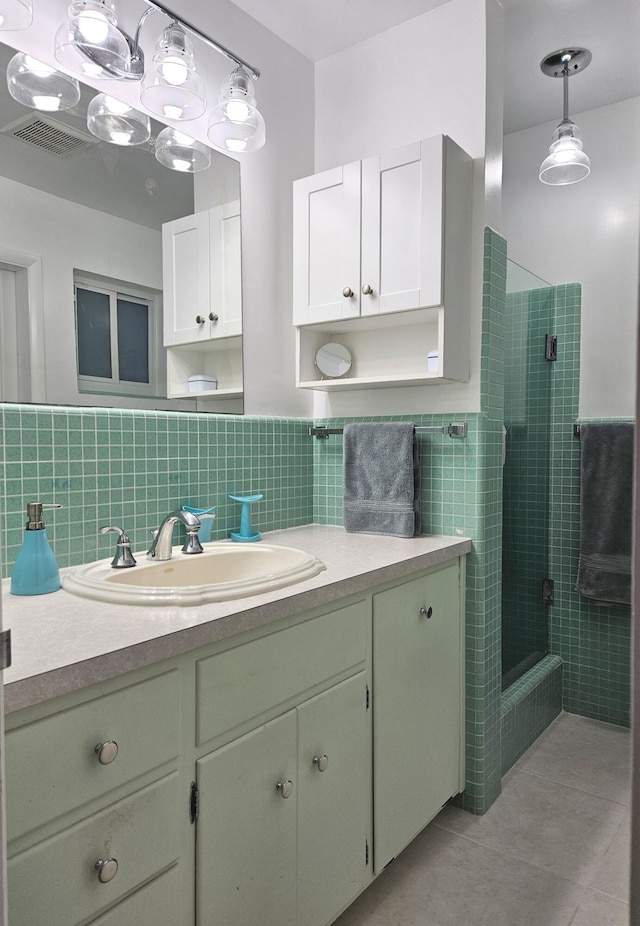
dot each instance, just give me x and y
(213, 317)
(107, 869)
(426, 612)
(347, 292)
(321, 762)
(107, 752)
(200, 320)
(367, 290)
(285, 788)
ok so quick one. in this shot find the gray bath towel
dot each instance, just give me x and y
(606, 492)
(381, 479)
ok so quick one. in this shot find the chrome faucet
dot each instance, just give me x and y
(162, 538)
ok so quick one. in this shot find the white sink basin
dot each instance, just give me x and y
(223, 571)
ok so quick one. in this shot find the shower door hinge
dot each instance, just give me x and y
(551, 347)
(547, 592)
(5, 649)
(367, 697)
(366, 851)
(194, 802)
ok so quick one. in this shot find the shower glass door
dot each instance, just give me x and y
(525, 519)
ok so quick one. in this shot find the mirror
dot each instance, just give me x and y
(333, 360)
(76, 206)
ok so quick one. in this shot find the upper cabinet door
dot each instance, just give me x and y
(402, 225)
(185, 270)
(226, 276)
(326, 245)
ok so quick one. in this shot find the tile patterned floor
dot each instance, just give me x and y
(552, 851)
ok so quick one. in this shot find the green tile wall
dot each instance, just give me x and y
(528, 707)
(131, 468)
(594, 641)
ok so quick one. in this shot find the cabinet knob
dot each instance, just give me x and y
(367, 290)
(200, 320)
(321, 762)
(213, 317)
(285, 788)
(107, 869)
(107, 752)
(426, 612)
(347, 292)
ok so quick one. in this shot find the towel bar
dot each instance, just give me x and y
(451, 430)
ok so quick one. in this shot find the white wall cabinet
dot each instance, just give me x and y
(203, 300)
(302, 797)
(382, 264)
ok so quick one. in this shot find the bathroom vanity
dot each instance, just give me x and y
(251, 761)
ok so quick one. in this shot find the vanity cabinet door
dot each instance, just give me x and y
(225, 271)
(334, 806)
(185, 274)
(246, 831)
(326, 246)
(417, 706)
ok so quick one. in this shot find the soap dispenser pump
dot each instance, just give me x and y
(36, 571)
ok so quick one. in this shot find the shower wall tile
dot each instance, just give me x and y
(528, 707)
(131, 468)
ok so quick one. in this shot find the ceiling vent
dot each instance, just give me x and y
(46, 133)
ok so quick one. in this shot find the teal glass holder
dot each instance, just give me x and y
(206, 516)
(246, 534)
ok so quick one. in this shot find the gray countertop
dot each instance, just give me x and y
(61, 642)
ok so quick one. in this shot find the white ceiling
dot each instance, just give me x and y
(534, 28)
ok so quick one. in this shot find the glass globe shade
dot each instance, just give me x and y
(180, 152)
(39, 86)
(566, 162)
(16, 15)
(116, 122)
(90, 42)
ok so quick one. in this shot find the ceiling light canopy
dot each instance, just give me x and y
(236, 125)
(15, 14)
(172, 88)
(180, 152)
(40, 86)
(114, 121)
(566, 162)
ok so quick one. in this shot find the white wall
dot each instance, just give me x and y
(588, 233)
(426, 77)
(64, 236)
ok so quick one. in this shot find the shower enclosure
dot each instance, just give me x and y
(525, 521)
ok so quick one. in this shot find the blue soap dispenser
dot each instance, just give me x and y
(36, 571)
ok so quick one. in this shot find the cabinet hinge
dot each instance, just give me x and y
(368, 697)
(551, 347)
(194, 802)
(548, 592)
(5, 649)
(366, 851)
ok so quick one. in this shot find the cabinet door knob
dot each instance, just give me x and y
(366, 290)
(321, 762)
(107, 869)
(200, 320)
(347, 292)
(107, 752)
(426, 612)
(213, 317)
(285, 788)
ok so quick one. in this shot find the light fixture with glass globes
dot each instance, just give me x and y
(236, 125)
(92, 43)
(171, 87)
(566, 162)
(15, 14)
(180, 152)
(116, 122)
(39, 86)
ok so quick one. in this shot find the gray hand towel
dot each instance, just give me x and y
(381, 479)
(606, 492)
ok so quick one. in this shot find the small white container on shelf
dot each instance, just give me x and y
(201, 383)
(432, 361)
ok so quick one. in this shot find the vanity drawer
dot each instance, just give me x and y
(140, 832)
(155, 904)
(52, 766)
(239, 684)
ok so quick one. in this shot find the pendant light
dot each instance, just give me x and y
(236, 125)
(116, 122)
(39, 86)
(566, 162)
(172, 88)
(180, 152)
(15, 14)
(91, 44)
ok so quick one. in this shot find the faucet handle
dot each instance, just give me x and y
(123, 558)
